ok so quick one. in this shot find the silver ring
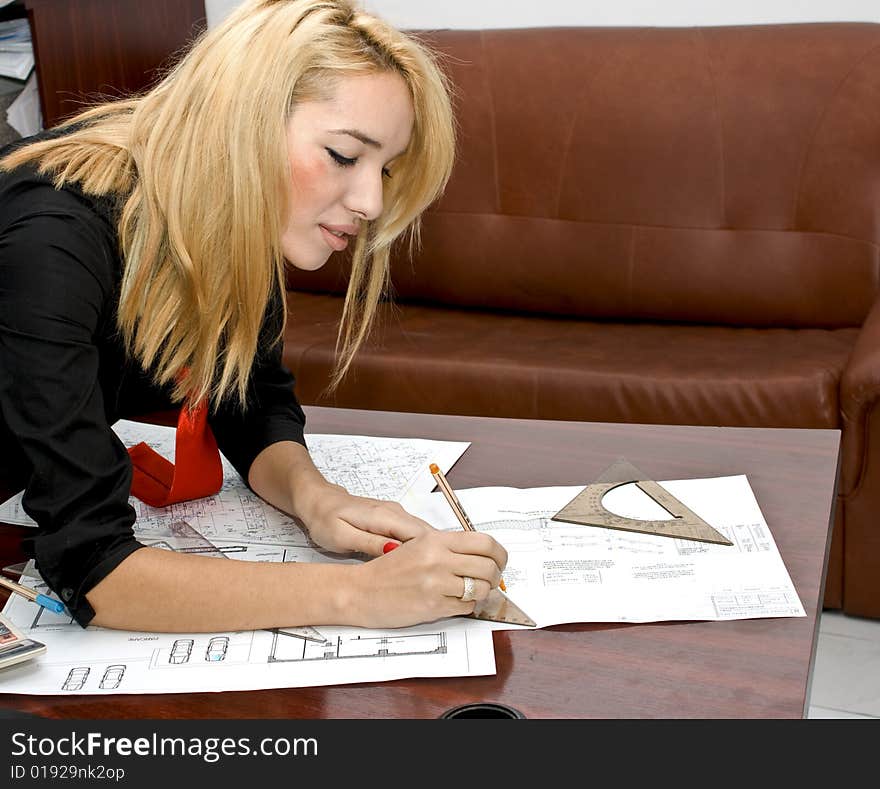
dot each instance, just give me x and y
(469, 588)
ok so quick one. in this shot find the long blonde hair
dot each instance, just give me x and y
(199, 164)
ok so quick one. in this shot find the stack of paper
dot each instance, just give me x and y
(556, 572)
(16, 49)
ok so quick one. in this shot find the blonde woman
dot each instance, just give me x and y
(142, 256)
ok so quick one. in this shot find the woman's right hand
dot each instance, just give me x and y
(423, 579)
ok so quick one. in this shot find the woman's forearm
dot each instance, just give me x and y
(162, 591)
(285, 475)
(156, 590)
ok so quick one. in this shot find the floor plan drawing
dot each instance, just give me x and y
(396, 467)
(238, 525)
(217, 648)
(195, 549)
(386, 468)
(112, 677)
(561, 572)
(43, 617)
(383, 468)
(180, 651)
(96, 660)
(76, 678)
(558, 572)
(198, 649)
(287, 648)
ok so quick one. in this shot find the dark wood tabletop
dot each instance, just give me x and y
(757, 668)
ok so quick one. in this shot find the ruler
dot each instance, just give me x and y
(587, 509)
(498, 607)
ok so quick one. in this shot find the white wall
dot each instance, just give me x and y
(464, 14)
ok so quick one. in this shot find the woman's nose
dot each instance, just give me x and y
(365, 196)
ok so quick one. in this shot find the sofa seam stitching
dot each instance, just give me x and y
(631, 272)
(821, 119)
(566, 151)
(493, 120)
(873, 244)
(857, 486)
(719, 126)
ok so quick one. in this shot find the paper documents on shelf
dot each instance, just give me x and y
(15, 36)
(17, 65)
(24, 114)
(16, 49)
(562, 573)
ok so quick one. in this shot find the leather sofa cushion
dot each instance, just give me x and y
(700, 175)
(438, 360)
(762, 278)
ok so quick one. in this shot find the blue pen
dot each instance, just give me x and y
(35, 597)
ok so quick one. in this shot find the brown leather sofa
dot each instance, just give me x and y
(653, 225)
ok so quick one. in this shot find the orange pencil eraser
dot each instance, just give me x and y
(435, 469)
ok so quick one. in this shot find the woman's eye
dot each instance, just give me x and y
(345, 161)
(342, 161)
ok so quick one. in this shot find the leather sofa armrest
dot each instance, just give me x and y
(859, 396)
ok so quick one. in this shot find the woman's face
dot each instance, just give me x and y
(340, 151)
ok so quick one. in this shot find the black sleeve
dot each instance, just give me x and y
(272, 413)
(56, 277)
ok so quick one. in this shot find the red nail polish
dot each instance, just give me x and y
(389, 546)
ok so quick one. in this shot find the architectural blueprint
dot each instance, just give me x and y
(394, 469)
(97, 660)
(557, 572)
(561, 572)
(241, 526)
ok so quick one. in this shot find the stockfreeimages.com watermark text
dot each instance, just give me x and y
(209, 749)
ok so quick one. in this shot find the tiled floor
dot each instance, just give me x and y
(846, 675)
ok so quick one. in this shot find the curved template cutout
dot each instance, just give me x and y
(586, 509)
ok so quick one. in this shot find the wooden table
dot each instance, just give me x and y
(740, 669)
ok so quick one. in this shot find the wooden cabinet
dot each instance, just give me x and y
(88, 49)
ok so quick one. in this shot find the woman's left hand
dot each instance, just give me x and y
(340, 522)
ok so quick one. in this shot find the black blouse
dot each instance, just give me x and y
(65, 379)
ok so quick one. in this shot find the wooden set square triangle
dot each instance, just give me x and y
(498, 607)
(586, 508)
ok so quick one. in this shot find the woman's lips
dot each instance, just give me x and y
(336, 243)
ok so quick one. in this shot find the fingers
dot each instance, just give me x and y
(435, 554)
(370, 544)
(477, 557)
(367, 526)
(480, 568)
(466, 588)
(423, 579)
(477, 544)
(386, 519)
(472, 592)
